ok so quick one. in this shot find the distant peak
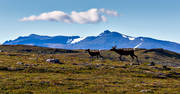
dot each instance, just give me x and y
(107, 31)
(33, 35)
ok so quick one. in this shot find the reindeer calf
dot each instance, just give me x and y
(92, 54)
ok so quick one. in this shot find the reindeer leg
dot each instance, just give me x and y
(132, 57)
(137, 58)
(101, 56)
(120, 57)
(91, 57)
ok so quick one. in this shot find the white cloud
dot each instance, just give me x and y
(91, 16)
(109, 12)
(50, 16)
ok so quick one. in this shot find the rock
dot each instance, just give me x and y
(74, 64)
(145, 91)
(45, 83)
(152, 64)
(112, 67)
(54, 61)
(166, 68)
(99, 65)
(157, 68)
(20, 63)
(160, 76)
(14, 69)
(27, 65)
(173, 75)
(137, 86)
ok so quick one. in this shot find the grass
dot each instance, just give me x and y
(81, 75)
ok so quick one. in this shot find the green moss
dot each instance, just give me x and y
(80, 74)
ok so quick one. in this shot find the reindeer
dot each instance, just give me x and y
(97, 53)
(125, 52)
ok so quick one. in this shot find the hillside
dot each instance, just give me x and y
(24, 72)
(33, 49)
(105, 40)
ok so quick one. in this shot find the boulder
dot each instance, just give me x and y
(166, 68)
(152, 64)
(54, 61)
(20, 63)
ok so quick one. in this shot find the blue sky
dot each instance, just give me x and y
(158, 19)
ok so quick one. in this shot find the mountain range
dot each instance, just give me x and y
(105, 40)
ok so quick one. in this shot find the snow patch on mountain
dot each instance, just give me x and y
(77, 40)
(69, 40)
(125, 36)
(129, 37)
(138, 45)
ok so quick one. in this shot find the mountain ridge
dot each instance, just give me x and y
(104, 40)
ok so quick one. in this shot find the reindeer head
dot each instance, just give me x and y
(113, 48)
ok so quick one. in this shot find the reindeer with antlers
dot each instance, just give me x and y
(125, 52)
(92, 54)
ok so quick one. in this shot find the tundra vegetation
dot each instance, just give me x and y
(24, 70)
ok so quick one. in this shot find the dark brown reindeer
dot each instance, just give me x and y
(125, 52)
(92, 54)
